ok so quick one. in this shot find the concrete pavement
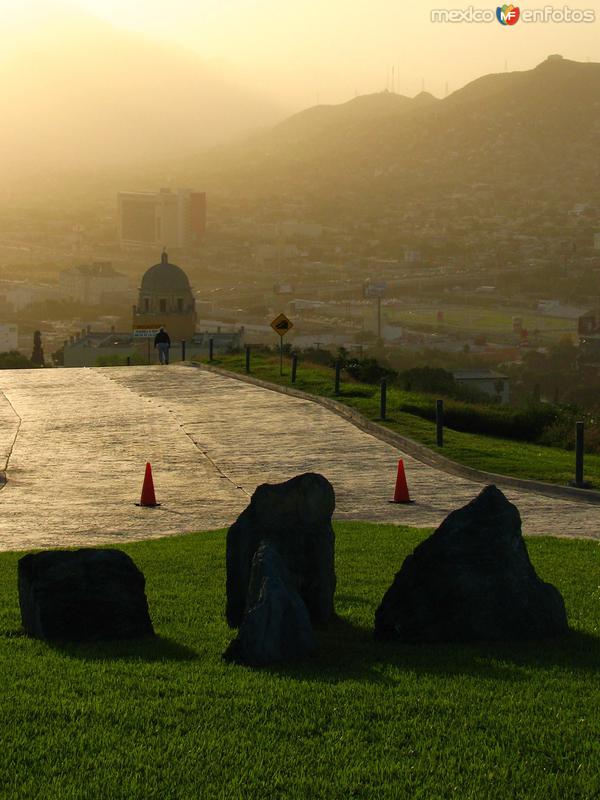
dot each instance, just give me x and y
(75, 442)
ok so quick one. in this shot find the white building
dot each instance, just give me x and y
(22, 295)
(93, 284)
(9, 338)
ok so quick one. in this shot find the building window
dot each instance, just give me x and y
(163, 306)
(146, 304)
(180, 304)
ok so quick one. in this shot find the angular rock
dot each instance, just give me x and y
(295, 517)
(276, 625)
(472, 580)
(82, 595)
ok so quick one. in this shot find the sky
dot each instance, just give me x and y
(308, 51)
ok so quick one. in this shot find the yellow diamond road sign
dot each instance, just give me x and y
(282, 325)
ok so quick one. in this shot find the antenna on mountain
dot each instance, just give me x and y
(393, 80)
(506, 66)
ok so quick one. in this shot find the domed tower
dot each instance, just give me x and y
(165, 300)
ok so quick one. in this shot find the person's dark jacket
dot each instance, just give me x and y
(162, 337)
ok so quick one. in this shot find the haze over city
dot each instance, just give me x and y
(92, 82)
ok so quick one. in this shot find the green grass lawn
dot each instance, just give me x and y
(482, 320)
(361, 719)
(502, 456)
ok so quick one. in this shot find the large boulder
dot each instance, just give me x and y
(471, 580)
(82, 595)
(295, 517)
(276, 625)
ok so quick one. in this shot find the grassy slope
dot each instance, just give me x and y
(360, 720)
(502, 456)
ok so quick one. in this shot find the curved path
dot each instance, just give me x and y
(75, 441)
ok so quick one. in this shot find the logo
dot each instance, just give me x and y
(508, 15)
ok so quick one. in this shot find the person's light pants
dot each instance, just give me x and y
(163, 352)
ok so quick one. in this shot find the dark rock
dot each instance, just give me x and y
(295, 516)
(472, 580)
(276, 625)
(82, 595)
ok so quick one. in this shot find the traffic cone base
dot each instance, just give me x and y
(401, 494)
(148, 498)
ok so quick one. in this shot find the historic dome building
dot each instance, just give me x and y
(166, 300)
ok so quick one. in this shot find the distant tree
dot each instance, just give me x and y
(37, 357)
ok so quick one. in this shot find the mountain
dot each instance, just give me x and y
(76, 92)
(524, 131)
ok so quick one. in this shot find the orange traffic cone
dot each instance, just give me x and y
(148, 497)
(401, 494)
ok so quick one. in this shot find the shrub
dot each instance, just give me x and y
(14, 360)
(526, 423)
(368, 370)
(428, 379)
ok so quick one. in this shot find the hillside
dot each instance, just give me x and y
(523, 131)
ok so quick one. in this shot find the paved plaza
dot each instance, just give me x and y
(74, 444)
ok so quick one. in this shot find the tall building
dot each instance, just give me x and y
(164, 218)
(166, 300)
(9, 338)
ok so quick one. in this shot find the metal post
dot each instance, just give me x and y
(294, 367)
(280, 356)
(579, 454)
(439, 422)
(183, 349)
(338, 371)
(128, 361)
(211, 348)
(383, 399)
(247, 358)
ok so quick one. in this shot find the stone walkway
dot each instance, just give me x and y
(76, 441)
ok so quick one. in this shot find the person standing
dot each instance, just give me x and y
(162, 342)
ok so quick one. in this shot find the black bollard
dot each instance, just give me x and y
(183, 349)
(383, 399)
(211, 348)
(294, 367)
(247, 358)
(439, 422)
(338, 372)
(128, 361)
(579, 454)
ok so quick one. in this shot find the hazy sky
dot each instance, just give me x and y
(330, 49)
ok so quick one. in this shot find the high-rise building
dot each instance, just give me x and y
(164, 218)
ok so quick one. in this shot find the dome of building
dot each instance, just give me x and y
(165, 277)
